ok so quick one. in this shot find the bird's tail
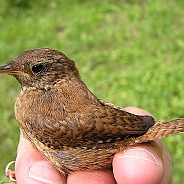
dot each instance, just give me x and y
(162, 129)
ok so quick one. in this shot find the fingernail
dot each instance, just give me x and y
(142, 154)
(44, 172)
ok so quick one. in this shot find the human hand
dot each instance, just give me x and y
(143, 163)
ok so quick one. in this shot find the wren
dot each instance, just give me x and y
(66, 122)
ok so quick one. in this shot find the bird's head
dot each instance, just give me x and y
(41, 68)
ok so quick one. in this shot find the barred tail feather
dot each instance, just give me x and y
(162, 129)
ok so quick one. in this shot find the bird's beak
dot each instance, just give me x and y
(7, 69)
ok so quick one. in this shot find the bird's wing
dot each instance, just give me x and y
(111, 123)
(106, 123)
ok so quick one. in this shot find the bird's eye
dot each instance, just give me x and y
(37, 68)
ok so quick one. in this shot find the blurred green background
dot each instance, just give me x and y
(129, 52)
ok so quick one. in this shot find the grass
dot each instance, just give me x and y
(128, 52)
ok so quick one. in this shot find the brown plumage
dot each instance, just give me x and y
(72, 128)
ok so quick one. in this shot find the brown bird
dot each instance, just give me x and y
(66, 122)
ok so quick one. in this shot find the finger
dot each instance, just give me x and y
(140, 164)
(91, 177)
(136, 110)
(32, 167)
(167, 160)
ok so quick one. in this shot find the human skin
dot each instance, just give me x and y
(141, 164)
